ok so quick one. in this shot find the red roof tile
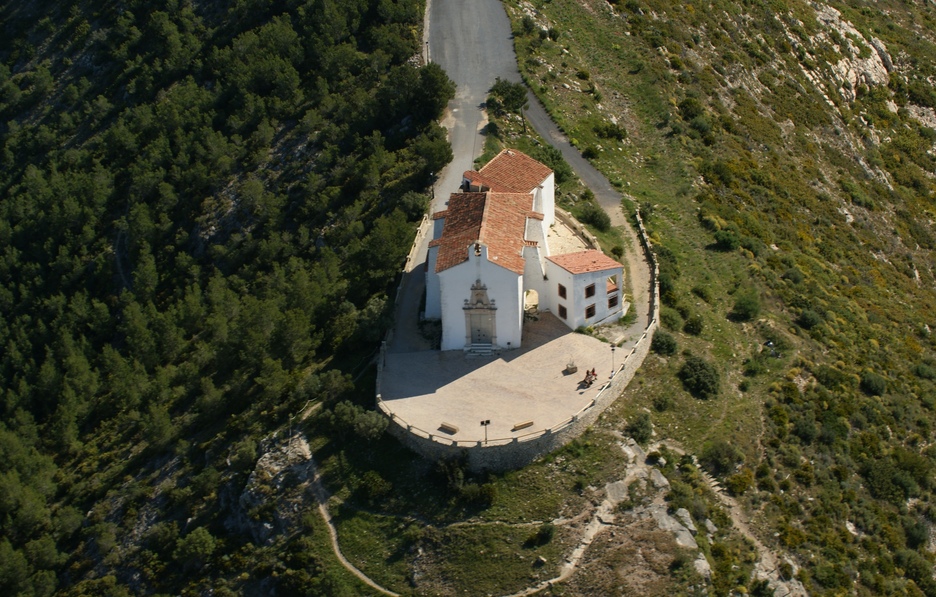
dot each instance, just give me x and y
(496, 220)
(584, 262)
(511, 171)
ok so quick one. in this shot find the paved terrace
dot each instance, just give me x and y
(428, 388)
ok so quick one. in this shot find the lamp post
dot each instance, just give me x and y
(485, 424)
(612, 360)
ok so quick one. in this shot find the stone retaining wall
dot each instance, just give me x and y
(500, 455)
(577, 227)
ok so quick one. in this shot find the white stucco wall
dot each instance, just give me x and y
(505, 288)
(556, 276)
(533, 273)
(575, 301)
(433, 291)
(545, 199)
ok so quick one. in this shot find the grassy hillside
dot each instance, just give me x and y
(784, 157)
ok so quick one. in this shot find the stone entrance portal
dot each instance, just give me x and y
(480, 321)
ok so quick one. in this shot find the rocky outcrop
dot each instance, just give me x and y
(273, 497)
(869, 64)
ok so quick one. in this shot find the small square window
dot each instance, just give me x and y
(562, 312)
(590, 291)
(612, 302)
(589, 311)
(562, 291)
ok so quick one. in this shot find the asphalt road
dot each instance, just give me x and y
(472, 41)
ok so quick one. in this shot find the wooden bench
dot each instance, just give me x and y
(523, 425)
(448, 428)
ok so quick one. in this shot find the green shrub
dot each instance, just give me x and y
(691, 108)
(195, 549)
(793, 275)
(641, 429)
(830, 377)
(808, 319)
(720, 457)
(694, 325)
(663, 343)
(702, 292)
(746, 307)
(543, 535)
(925, 371)
(872, 384)
(727, 240)
(592, 214)
(610, 130)
(755, 245)
(374, 487)
(739, 483)
(662, 402)
(552, 157)
(700, 378)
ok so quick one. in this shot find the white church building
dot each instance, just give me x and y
(490, 249)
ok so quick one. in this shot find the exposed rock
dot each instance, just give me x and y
(710, 527)
(658, 480)
(616, 492)
(281, 472)
(667, 523)
(628, 452)
(926, 116)
(684, 517)
(852, 72)
(702, 566)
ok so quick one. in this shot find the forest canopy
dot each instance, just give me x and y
(204, 206)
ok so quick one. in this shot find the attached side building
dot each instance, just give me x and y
(586, 287)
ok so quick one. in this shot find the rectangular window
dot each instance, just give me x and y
(612, 302)
(562, 291)
(562, 312)
(589, 311)
(590, 291)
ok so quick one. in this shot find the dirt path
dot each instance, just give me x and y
(321, 496)
(768, 564)
(602, 518)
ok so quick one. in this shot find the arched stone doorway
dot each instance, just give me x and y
(480, 320)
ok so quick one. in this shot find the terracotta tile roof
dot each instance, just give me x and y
(511, 171)
(479, 180)
(584, 262)
(496, 220)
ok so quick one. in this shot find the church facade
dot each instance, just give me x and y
(489, 250)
